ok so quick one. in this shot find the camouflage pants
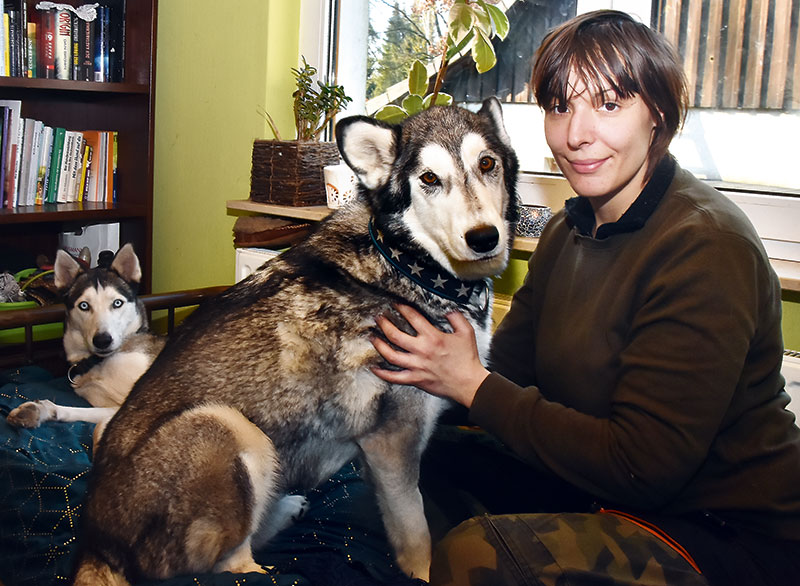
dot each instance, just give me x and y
(559, 549)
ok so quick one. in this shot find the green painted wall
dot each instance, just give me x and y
(217, 67)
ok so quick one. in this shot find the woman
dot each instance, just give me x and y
(640, 360)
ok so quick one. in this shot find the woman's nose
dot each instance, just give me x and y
(581, 128)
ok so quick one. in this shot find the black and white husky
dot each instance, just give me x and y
(106, 339)
(267, 387)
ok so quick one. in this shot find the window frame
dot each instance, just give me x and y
(775, 212)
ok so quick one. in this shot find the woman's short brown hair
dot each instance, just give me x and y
(609, 48)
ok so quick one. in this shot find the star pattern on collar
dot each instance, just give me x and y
(425, 272)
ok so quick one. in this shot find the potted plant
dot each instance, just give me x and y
(471, 24)
(289, 172)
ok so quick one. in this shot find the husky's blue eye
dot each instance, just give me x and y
(118, 303)
(429, 178)
(83, 306)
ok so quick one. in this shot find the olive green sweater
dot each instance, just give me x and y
(644, 367)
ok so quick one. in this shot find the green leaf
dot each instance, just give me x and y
(441, 100)
(483, 53)
(412, 104)
(391, 114)
(460, 20)
(418, 78)
(456, 48)
(482, 19)
(499, 19)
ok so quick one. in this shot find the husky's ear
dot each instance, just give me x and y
(369, 147)
(492, 110)
(66, 270)
(126, 264)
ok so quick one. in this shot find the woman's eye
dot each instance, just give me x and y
(429, 178)
(610, 106)
(83, 306)
(560, 108)
(118, 303)
(486, 164)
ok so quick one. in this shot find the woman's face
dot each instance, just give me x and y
(601, 143)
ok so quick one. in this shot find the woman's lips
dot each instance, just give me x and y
(586, 165)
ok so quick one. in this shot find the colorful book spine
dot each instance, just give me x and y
(63, 44)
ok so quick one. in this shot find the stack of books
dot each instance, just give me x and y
(41, 164)
(84, 44)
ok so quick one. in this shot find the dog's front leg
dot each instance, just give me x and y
(392, 459)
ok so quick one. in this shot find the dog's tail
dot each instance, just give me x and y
(92, 571)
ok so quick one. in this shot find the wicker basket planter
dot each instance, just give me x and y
(289, 172)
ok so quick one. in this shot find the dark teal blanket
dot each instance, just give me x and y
(43, 478)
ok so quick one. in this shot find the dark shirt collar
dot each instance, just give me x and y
(581, 216)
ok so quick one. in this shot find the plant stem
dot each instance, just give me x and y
(437, 85)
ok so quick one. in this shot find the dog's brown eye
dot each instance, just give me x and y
(486, 164)
(429, 178)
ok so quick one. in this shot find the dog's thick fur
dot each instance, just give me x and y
(106, 339)
(268, 387)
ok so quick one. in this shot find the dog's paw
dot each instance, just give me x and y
(29, 415)
(300, 506)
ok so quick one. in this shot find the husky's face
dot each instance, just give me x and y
(102, 307)
(446, 180)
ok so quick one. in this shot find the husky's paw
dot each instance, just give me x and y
(31, 414)
(292, 507)
(289, 509)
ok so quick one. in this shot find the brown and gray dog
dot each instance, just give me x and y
(267, 388)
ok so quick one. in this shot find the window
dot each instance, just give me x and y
(741, 58)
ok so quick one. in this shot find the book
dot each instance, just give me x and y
(45, 152)
(47, 43)
(11, 8)
(101, 54)
(111, 167)
(6, 49)
(89, 173)
(3, 71)
(54, 176)
(115, 139)
(116, 39)
(31, 53)
(62, 194)
(63, 44)
(76, 160)
(92, 138)
(85, 60)
(30, 161)
(83, 170)
(14, 150)
(5, 119)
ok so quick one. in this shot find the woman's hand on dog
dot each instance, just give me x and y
(443, 364)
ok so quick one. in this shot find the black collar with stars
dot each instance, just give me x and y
(425, 272)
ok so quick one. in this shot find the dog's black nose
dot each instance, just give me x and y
(102, 340)
(482, 239)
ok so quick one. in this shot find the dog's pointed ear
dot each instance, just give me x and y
(126, 264)
(493, 110)
(66, 270)
(369, 147)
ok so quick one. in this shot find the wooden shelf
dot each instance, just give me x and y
(125, 107)
(316, 213)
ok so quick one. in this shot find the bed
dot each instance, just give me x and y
(44, 473)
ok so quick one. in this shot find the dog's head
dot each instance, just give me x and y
(102, 306)
(443, 180)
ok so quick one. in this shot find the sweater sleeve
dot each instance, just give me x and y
(678, 371)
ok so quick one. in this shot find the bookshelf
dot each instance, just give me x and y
(126, 107)
(316, 213)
